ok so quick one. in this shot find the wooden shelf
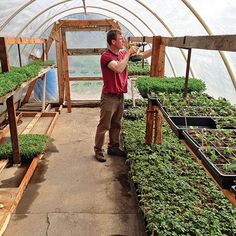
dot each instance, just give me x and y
(23, 85)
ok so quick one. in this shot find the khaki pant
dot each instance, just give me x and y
(112, 108)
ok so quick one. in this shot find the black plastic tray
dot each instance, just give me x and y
(191, 142)
(180, 123)
(156, 101)
(233, 189)
(225, 181)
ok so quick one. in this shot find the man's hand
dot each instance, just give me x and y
(133, 50)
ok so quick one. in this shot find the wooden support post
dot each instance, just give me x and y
(149, 123)
(4, 55)
(44, 80)
(158, 58)
(66, 72)
(187, 73)
(10, 106)
(59, 66)
(13, 131)
(28, 93)
(158, 126)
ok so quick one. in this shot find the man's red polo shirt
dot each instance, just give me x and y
(113, 82)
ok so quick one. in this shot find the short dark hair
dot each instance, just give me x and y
(112, 35)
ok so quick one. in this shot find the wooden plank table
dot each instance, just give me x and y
(10, 197)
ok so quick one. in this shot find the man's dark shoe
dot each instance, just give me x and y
(100, 156)
(116, 151)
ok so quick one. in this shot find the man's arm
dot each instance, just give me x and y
(146, 53)
(119, 66)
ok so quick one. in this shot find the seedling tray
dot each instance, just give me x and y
(218, 138)
(180, 123)
(191, 142)
(216, 168)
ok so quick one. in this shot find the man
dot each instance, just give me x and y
(114, 66)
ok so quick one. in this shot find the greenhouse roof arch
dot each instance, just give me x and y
(168, 57)
(143, 22)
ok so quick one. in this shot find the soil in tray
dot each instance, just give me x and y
(228, 153)
(214, 156)
(222, 170)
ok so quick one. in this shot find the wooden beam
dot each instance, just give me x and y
(158, 58)
(114, 24)
(84, 78)
(211, 42)
(6, 128)
(147, 39)
(173, 42)
(53, 35)
(32, 123)
(158, 126)
(87, 28)
(149, 123)
(66, 71)
(52, 124)
(85, 51)
(3, 163)
(84, 23)
(4, 55)
(10, 40)
(29, 92)
(59, 67)
(13, 131)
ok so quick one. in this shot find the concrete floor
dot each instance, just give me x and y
(71, 193)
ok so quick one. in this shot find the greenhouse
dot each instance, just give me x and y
(117, 117)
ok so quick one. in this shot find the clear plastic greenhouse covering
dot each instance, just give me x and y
(167, 18)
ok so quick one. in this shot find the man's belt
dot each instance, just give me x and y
(119, 95)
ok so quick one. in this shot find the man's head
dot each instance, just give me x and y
(115, 38)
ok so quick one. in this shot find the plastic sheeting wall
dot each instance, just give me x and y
(20, 18)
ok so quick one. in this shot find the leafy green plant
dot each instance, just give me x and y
(230, 167)
(175, 195)
(31, 145)
(128, 103)
(148, 85)
(10, 81)
(134, 113)
(135, 68)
